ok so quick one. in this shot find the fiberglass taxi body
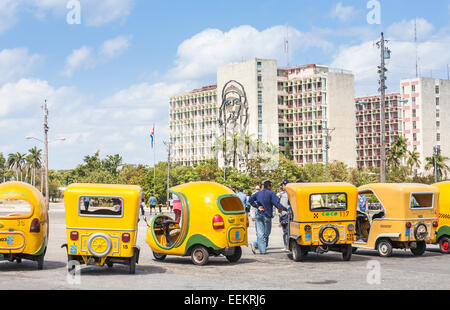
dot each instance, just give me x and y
(443, 230)
(23, 223)
(101, 224)
(402, 216)
(324, 218)
(213, 222)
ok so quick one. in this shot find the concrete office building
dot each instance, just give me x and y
(278, 106)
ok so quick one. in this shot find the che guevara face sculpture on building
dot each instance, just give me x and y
(233, 115)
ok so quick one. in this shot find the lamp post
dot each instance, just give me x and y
(45, 142)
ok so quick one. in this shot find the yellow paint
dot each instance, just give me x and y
(112, 227)
(17, 225)
(305, 199)
(200, 205)
(395, 199)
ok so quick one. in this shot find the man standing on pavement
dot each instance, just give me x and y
(242, 197)
(285, 216)
(264, 201)
(152, 202)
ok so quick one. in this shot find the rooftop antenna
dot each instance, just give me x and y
(286, 46)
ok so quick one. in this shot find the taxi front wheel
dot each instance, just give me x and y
(199, 255)
(298, 252)
(159, 256)
(444, 245)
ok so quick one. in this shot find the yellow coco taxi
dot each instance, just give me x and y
(23, 223)
(213, 222)
(324, 218)
(402, 216)
(101, 224)
(443, 230)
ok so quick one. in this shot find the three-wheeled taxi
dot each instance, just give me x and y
(213, 222)
(324, 218)
(101, 224)
(402, 216)
(443, 230)
(23, 223)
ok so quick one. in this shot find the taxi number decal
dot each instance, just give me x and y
(349, 237)
(340, 213)
(125, 246)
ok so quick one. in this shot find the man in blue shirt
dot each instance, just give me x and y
(264, 201)
(152, 201)
(242, 197)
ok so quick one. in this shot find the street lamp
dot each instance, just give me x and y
(45, 142)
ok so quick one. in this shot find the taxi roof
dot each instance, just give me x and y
(212, 188)
(21, 191)
(399, 187)
(89, 187)
(331, 186)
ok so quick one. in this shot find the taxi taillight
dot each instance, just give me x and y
(435, 224)
(126, 237)
(35, 225)
(74, 235)
(218, 222)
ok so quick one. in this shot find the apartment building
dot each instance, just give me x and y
(312, 100)
(426, 114)
(192, 124)
(368, 127)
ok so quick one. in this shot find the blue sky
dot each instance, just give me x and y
(108, 79)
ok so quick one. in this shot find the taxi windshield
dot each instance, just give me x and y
(100, 206)
(15, 208)
(328, 201)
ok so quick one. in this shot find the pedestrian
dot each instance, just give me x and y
(143, 206)
(242, 197)
(285, 216)
(152, 202)
(177, 207)
(264, 201)
(160, 203)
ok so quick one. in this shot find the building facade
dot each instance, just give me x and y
(290, 108)
(368, 127)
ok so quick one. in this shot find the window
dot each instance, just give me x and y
(258, 64)
(437, 101)
(14, 208)
(438, 137)
(437, 89)
(422, 200)
(231, 204)
(413, 88)
(100, 206)
(438, 124)
(328, 202)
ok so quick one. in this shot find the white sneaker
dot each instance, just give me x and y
(252, 246)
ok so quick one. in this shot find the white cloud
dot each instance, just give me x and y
(404, 30)
(343, 13)
(86, 58)
(204, 52)
(364, 58)
(81, 58)
(93, 12)
(16, 63)
(114, 47)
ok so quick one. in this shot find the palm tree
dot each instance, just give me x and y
(36, 162)
(397, 151)
(413, 160)
(442, 167)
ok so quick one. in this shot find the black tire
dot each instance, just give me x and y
(298, 252)
(200, 255)
(19, 260)
(236, 256)
(354, 250)
(132, 267)
(444, 245)
(40, 262)
(159, 257)
(384, 248)
(347, 252)
(420, 249)
(109, 264)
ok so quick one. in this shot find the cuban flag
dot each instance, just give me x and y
(152, 135)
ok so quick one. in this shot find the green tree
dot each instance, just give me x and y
(397, 151)
(35, 162)
(442, 167)
(413, 161)
(3, 168)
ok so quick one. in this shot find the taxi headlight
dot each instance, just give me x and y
(351, 227)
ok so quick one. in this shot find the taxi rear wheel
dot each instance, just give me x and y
(199, 255)
(236, 256)
(347, 252)
(384, 248)
(40, 262)
(420, 249)
(444, 245)
(298, 252)
(132, 266)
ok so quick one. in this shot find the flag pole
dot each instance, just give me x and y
(154, 161)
